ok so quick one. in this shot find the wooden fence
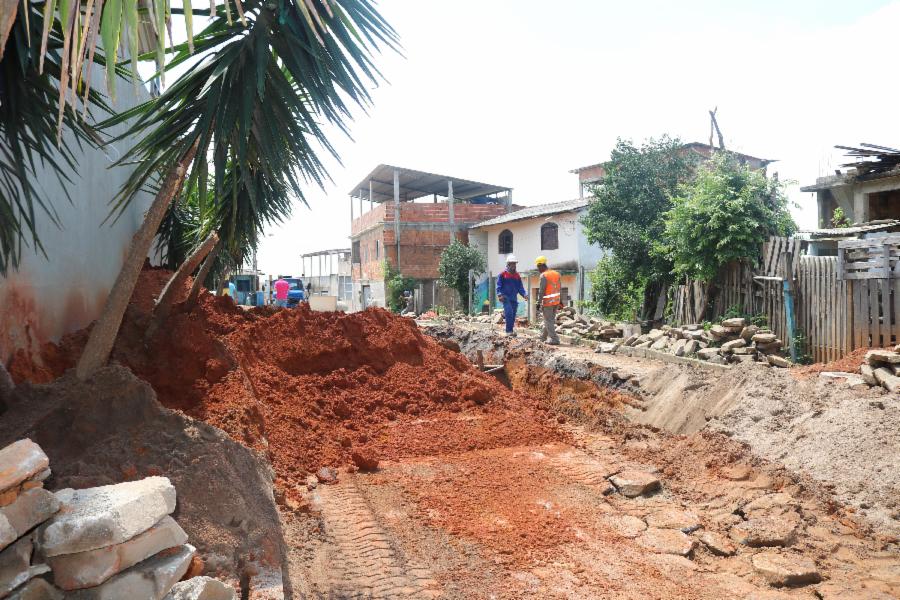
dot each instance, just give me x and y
(841, 303)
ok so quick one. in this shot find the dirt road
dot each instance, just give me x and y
(544, 521)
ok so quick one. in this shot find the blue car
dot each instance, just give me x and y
(296, 293)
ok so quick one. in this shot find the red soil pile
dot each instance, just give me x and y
(317, 389)
(849, 363)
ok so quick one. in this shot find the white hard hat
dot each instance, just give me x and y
(511, 258)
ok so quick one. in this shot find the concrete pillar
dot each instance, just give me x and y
(397, 214)
(860, 206)
(450, 201)
(351, 211)
(370, 195)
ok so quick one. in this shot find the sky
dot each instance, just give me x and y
(520, 92)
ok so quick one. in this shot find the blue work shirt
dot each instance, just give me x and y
(510, 286)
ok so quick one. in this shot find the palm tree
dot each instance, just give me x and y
(261, 79)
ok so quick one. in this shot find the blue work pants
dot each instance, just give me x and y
(509, 314)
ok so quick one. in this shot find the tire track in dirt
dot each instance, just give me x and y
(361, 561)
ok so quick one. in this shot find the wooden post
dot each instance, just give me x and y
(788, 282)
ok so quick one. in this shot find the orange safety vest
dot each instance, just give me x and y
(552, 293)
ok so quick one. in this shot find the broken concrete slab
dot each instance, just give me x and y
(691, 347)
(764, 338)
(151, 579)
(759, 532)
(673, 518)
(102, 516)
(886, 379)
(36, 589)
(31, 508)
(733, 344)
(735, 322)
(708, 353)
(785, 569)
(877, 357)
(19, 461)
(678, 348)
(93, 567)
(778, 361)
(667, 541)
(635, 483)
(718, 332)
(201, 588)
(748, 332)
(718, 544)
(15, 565)
(655, 334)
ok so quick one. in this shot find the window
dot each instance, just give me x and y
(377, 249)
(354, 253)
(505, 242)
(549, 236)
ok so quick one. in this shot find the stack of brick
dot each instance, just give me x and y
(882, 367)
(731, 341)
(109, 542)
(24, 504)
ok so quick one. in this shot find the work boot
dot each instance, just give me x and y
(512, 334)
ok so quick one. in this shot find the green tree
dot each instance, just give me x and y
(457, 260)
(723, 215)
(616, 293)
(626, 213)
(395, 283)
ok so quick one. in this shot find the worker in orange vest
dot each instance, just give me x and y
(550, 298)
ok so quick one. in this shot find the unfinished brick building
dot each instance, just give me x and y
(432, 210)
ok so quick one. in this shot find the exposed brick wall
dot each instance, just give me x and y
(376, 215)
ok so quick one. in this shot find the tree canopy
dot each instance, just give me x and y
(724, 214)
(457, 260)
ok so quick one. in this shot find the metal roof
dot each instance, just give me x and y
(417, 184)
(689, 146)
(852, 230)
(326, 252)
(532, 212)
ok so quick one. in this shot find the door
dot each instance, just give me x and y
(366, 296)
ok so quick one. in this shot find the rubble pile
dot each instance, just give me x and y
(732, 341)
(882, 367)
(108, 542)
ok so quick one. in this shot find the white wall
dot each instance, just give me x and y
(527, 243)
(49, 297)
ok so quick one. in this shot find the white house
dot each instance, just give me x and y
(551, 230)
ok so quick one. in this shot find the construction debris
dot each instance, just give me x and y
(109, 542)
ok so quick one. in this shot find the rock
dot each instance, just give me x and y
(36, 589)
(656, 334)
(748, 332)
(691, 347)
(93, 567)
(740, 358)
(785, 569)
(365, 459)
(708, 353)
(201, 588)
(630, 340)
(16, 567)
(775, 504)
(667, 541)
(764, 338)
(20, 461)
(678, 348)
(718, 332)
(887, 379)
(778, 361)
(672, 518)
(717, 359)
(744, 351)
(868, 374)
(735, 322)
(626, 525)
(102, 516)
(31, 508)
(769, 348)
(660, 344)
(327, 475)
(635, 483)
(733, 344)
(876, 357)
(150, 580)
(717, 544)
(765, 531)
(696, 334)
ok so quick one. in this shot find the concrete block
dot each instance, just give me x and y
(708, 353)
(729, 346)
(15, 566)
(31, 508)
(201, 588)
(876, 357)
(148, 580)
(93, 567)
(785, 569)
(886, 379)
(19, 461)
(735, 323)
(868, 374)
(106, 515)
(36, 589)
